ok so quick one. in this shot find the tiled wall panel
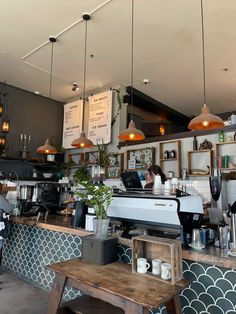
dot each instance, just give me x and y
(29, 249)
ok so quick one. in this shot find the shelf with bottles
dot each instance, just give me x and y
(199, 162)
(140, 159)
(115, 166)
(226, 155)
(170, 157)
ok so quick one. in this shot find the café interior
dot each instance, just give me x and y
(117, 157)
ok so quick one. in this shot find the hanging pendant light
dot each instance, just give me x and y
(206, 120)
(162, 129)
(1, 107)
(131, 133)
(5, 121)
(83, 141)
(47, 148)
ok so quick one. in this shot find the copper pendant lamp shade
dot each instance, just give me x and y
(82, 141)
(206, 120)
(46, 148)
(131, 133)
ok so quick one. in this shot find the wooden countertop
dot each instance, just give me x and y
(54, 223)
(210, 255)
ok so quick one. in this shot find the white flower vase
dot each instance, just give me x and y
(100, 227)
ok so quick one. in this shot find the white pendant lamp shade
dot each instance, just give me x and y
(82, 141)
(46, 148)
(131, 133)
(206, 120)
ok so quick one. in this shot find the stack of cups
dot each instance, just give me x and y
(167, 187)
(157, 185)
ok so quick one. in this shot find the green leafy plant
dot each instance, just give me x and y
(119, 107)
(96, 196)
(103, 154)
(81, 175)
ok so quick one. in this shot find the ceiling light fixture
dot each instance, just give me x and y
(206, 120)
(162, 129)
(83, 141)
(47, 148)
(75, 87)
(5, 121)
(131, 133)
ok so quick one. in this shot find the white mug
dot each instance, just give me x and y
(142, 265)
(165, 271)
(156, 266)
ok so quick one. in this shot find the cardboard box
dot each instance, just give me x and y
(99, 251)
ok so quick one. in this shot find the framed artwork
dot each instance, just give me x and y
(115, 166)
(138, 159)
(92, 157)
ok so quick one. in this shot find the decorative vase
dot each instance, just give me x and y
(100, 227)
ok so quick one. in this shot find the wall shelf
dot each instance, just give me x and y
(170, 164)
(197, 161)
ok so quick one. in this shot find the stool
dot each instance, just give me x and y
(86, 304)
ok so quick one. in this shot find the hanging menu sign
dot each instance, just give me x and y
(73, 113)
(99, 126)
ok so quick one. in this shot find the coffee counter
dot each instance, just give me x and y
(53, 222)
(210, 255)
(32, 246)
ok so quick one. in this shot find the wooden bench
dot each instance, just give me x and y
(86, 304)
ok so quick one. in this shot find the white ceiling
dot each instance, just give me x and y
(167, 49)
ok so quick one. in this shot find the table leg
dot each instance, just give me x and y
(56, 294)
(133, 308)
(173, 306)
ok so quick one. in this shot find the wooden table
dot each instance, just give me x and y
(116, 284)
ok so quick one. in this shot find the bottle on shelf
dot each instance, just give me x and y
(221, 136)
(195, 143)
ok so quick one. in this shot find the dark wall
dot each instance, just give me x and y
(32, 114)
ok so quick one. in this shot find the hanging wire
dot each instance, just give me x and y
(86, 17)
(132, 57)
(203, 55)
(52, 40)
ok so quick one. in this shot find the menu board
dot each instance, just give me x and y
(73, 113)
(99, 124)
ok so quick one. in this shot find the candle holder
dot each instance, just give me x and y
(24, 140)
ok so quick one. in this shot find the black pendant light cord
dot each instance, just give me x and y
(86, 18)
(203, 55)
(52, 40)
(132, 57)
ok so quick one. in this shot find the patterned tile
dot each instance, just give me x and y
(29, 249)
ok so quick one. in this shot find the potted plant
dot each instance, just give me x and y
(99, 198)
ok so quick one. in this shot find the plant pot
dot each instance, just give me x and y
(100, 227)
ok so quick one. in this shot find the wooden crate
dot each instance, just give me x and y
(167, 250)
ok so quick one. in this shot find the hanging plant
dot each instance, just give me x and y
(120, 102)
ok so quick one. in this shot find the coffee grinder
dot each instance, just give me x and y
(25, 198)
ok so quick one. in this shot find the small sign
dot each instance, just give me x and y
(132, 164)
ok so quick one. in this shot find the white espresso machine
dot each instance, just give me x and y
(167, 216)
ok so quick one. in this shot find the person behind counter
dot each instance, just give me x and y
(150, 175)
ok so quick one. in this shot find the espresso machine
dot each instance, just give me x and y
(41, 198)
